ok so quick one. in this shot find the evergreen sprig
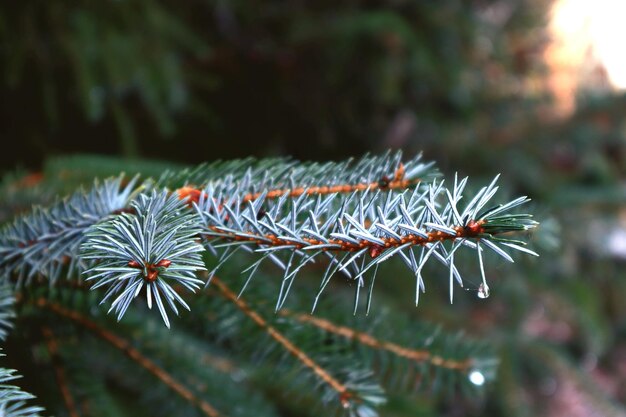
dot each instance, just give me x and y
(13, 401)
(47, 240)
(350, 388)
(401, 358)
(277, 175)
(6, 310)
(355, 214)
(150, 247)
(363, 231)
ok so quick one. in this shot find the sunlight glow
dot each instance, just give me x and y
(592, 30)
(608, 33)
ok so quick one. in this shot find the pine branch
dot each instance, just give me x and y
(132, 353)
(413, 226)
(279, 338)
(386, 172)
(289, 213)
(217, 170)
(348, 398)
(193, 360)
(150, 247)
(47, 239)
(407, 356)
(94, 393)
(68, 399)
(217, 318)
(284, 175)
(197, 361)
(7, 300)
(13, 401)
(416, 355)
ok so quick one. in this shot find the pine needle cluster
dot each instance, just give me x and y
(135, 243)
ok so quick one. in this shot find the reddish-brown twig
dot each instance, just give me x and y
(368, 340)
(59, 372)
(344, 393)
(132, 353)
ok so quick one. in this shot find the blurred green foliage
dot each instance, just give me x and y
(234, 78)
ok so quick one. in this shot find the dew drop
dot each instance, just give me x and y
(483, 290)
(477, 378)
(344, 398)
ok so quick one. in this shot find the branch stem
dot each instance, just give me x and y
(397, 182)
(59, 371)
(368, 340)
(346, 246)
(289, 346)
(132, 353)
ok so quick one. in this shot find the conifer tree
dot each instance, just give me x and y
(198, 270)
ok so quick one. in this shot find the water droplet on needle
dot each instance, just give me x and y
(477, 378)
(483, 290)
